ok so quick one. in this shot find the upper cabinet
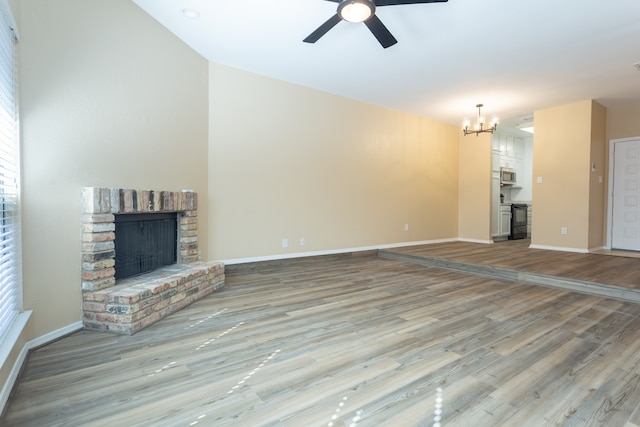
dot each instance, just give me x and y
(511, 150)
(495, 142)
(508, 152)
(518, 148)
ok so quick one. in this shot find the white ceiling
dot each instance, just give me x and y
(513, 56)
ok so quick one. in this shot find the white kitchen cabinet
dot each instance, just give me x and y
(503, 144)
(509, 146)
(518, 148)
(505, 220)
(511, 149)
(495, 142)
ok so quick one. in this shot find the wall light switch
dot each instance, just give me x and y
(285, 243)
(406, 227)
(539, 180)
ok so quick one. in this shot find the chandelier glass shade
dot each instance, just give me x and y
(479, 126)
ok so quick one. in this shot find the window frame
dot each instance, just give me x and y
(14, 321)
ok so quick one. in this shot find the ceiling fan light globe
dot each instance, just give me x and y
(356, 10)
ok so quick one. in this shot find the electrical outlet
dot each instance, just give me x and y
(302, 241)
(406, 227)
(563, 230)
(285, 243)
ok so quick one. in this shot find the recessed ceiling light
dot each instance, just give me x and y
(190, 13)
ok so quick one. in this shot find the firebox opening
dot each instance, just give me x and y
(145, 242)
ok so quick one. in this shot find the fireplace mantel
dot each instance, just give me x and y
(138, 302)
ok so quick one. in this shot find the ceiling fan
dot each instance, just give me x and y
(363, 11)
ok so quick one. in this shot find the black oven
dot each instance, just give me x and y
(518, 221)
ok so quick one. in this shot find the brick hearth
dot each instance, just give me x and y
(134, 303)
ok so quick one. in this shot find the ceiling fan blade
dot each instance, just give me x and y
(395, 2)
(322, 29)
(378, 29)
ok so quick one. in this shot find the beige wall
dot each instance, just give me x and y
(109, 98)
(597, 178)
(566, 139)
(623, 120)
(474, 189)
(291, 162)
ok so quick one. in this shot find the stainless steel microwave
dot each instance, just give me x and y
(507, 176)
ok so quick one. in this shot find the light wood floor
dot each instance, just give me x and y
(618, 268)
(343, 341)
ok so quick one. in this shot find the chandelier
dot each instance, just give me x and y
(478, 127)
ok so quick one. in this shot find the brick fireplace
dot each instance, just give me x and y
(129, 305)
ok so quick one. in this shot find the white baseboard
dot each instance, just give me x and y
(52, 336)
(30, 345)
(332, 251)
(558, 248)
(462, 239)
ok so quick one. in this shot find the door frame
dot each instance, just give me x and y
(612, 144)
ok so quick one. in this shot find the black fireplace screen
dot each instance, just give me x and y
(145, 242)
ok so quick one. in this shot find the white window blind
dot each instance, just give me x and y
(10, 253)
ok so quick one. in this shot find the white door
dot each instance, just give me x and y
(625, 226)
